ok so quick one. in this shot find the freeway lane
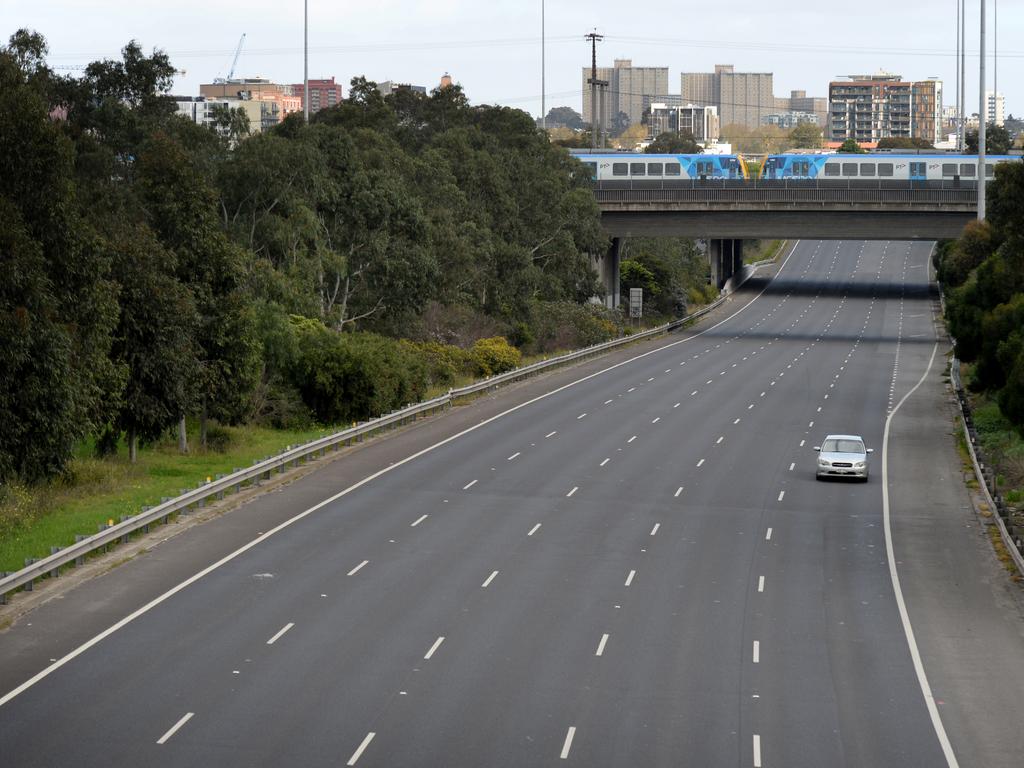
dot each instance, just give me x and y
(639, 569)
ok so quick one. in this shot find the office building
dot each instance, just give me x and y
(701, 122)
(388, 87)
(203, 111)
(872, 107)
(790, 120)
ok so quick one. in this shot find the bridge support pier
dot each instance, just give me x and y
(607, 268)
(726, 257)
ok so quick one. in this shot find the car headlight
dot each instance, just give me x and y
(823, 463)
(860, 464)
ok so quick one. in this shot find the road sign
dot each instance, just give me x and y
(636, 302)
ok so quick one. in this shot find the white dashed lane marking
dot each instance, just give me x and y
(358, 568)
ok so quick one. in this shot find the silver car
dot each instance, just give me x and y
(842, 456)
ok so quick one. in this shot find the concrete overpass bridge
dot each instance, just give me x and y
(726, 213)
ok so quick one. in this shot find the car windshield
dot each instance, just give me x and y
(842, 446)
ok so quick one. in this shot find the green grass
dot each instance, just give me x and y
(98, 490)
(767, 249)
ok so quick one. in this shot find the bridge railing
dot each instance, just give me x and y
(812, 195)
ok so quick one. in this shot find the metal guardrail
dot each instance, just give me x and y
(793, 195)
(36, 569)
(997, 509)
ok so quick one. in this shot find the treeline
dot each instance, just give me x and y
(153, 269)
(983, 273)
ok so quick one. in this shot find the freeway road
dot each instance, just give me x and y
(632, 565)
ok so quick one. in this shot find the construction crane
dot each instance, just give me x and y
(234, 62)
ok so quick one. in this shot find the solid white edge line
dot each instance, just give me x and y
(568, 742)
(71, 655)
(908, 630)
(489, 579)
(366, 742)
(280, 632)
(174, 728)
(434, 647)
(358, 568)
(600, 645)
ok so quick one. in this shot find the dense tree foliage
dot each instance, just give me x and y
(984, 271)
(153, 269)
(904, 142)
(850, 146)
(998, 140)
(806, 136)
(674, 143)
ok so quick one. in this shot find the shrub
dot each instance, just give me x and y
(560, 325)
(16, 509)
(495, 355)
(443, 363)
(218, 438)
(349, 376)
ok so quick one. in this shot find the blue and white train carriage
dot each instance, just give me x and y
(637, 170)
(879, 168)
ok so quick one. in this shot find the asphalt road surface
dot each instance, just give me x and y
(631, 565)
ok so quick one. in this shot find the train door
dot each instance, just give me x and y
(918, 172)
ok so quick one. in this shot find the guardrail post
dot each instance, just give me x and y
(56, 571)
(127, 536)
(3, 595)
(29, 585)
(80, 560)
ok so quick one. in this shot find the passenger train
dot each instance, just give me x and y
(880, 167)
(636, 170)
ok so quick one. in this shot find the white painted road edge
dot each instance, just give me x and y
(71, 655)
(922, 678)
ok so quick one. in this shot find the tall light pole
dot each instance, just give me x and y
(963, 75)
(305, 60)
(956, 65)
(982, 113)
(543, 111)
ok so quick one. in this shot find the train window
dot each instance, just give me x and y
(867, 169)
(672, 169)
(831, 169)
(620, 169)
(805, 168)
(654, 169)
(968, 169)
(637, 169)
(849, 169)
(885, 169)
(949, 169)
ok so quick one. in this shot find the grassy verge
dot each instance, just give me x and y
(760, 250)
(98, 490)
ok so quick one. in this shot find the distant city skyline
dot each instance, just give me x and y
(493, 49)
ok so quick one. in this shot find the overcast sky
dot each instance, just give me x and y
(493, 47)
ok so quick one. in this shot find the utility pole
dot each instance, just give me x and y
(982, 114)
(596, 116)
(543, 111)
(305, 60)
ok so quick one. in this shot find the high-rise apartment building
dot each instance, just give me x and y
(322, 94)
(203, 111)
(995, 108)
(872, 107)
(627, 87)
(745, 98)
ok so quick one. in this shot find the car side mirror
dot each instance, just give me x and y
(871, 450)
(817, 447)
